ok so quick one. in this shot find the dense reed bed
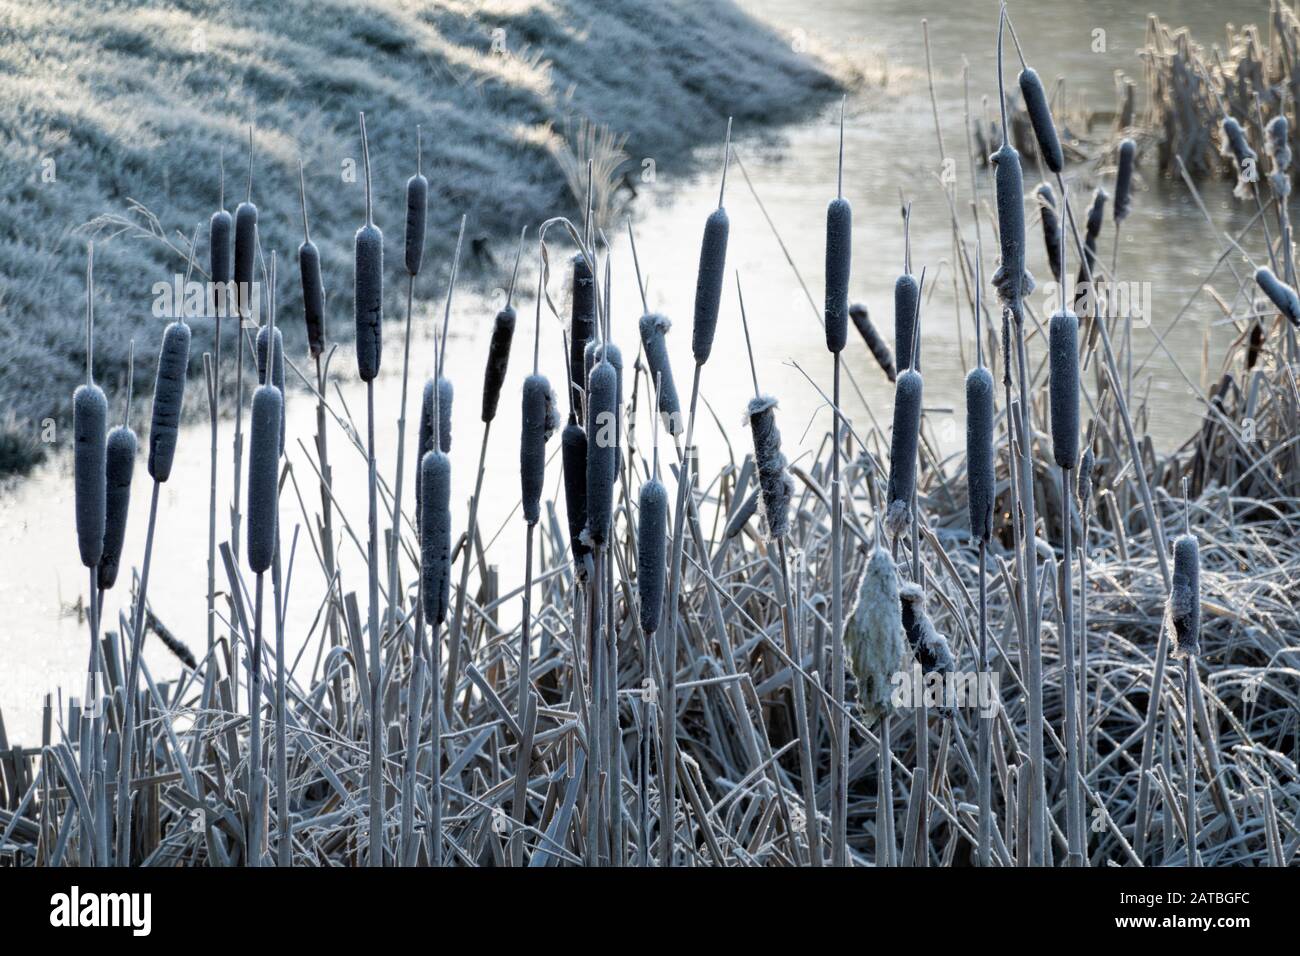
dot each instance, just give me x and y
(718, 662)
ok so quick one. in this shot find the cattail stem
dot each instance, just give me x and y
(984, 752)
(255, 776)
(525, 632)
(376, 818)
(1189, 731)
(1074, 795)
(128, 719)
(435, 746)
(394, 597)
(840, 808)
(668, 758)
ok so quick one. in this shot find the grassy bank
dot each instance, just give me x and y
(104, 103)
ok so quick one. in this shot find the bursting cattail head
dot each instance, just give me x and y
(1040, 117)
(1183, 614)
(708, 283)
(168, 393)
(1063, 382)
(651, 544)
(89, 421)
(980, 481)
(877, 345)
(503, 333)
(1012, 280)
(540, 419)
(1052, 237)
(435, 535)
(263, 475)
(1277, 143)
(930, 647)
(120, 467)
(602, 450)
(1244, 159)
(903, 445)
(245, 255)
(1280, 294)
(1124, 178)
(417, 208)
(907, 294)
(445, 396)
(773, 479)
(653, 329)
(582, 325)
(573, 454)
(368, 292)
(313, 296)
(873, 636)
(839, 244)
(277, 370)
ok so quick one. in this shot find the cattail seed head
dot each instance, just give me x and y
(652, 541)
(582, 324)
(1052, 237)
(602, 450)
(220, 262)
(1063, 382)
(980, 482)
(540, 420)
(873, 636)
(168, 393)
(1040, 117)
(1124, 178)
(1280, 294)
(839, 244)
(1184, 611)
(653, 329)
(417, 208)
(1011, 280)
(277, 370)
(906, 297)
(368, 291)
(875, 343)
(445, 396)
(903, 447)
(573, 454)
(708, 283)
(245, 254)
(263, 475)
(435, 535)
(313, 296)
(89, 420)
(1092, 229)
(120, 466)
(503, 333)
(424, 437)
(773, 479)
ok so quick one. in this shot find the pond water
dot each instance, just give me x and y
(890, 146)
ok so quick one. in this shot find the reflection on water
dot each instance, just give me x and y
(890, 146)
